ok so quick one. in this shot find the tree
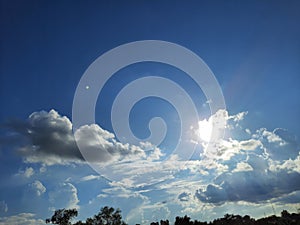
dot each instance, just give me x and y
(62, 216)
(107, 216)
(183, 220)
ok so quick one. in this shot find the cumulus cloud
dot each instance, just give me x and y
(278, 144)
(27, 173)
(254, 181)
(64, 196)
(242, 166)
(238, 117)
(22, 219)
(47, 138)
(251, 186)
(98, 145)
(38, 187)
(288, 165)
(259, 169)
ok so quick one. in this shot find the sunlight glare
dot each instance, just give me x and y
(204, 130)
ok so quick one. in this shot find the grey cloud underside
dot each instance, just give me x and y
(250, 186)
(273, 173)
(48, 136)
(43, 134)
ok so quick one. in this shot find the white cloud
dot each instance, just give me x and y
(38, 187)
(238, 117)
(21, 219)
(98, 145)
(288, 165)
(64, 196)
(272, 137)
(250, 144)
(242, 166)
(247, 131)
(90, 177)
(28, 172)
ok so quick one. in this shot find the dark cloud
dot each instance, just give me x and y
(47, 137)
(184, 197)
(250, 186)
(45, 134)
(294, 197)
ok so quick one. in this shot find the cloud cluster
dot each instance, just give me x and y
(249, 186)
(47, 138)
(251, 168)
(261, 168)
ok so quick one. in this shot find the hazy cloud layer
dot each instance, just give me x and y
(22, 219)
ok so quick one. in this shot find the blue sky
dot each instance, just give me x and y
(253, 49)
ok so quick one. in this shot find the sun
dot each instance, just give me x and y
(204, 130)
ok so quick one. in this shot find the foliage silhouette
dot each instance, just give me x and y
(110, 216)
(62, 216)
(106, 216)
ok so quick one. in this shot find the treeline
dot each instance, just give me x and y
(286, 218)
(110, 216)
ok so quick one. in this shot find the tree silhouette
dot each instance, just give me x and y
(183, 220)
(107, 216)
(111, 216)
(62, 216)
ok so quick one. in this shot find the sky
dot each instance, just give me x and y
(171, 164)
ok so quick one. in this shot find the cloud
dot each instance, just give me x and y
(64, 196)
(250, 186)
(27, 173)
(238, 117)
(99, 145)
(250, 144)
(288, 165)
(38, 187)
(90, 177)
(272, 137)
(47, 138)
(21, 219)
(3, 207)
(278, 144)
(259, 169)
(184, 196)
(242, 166)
